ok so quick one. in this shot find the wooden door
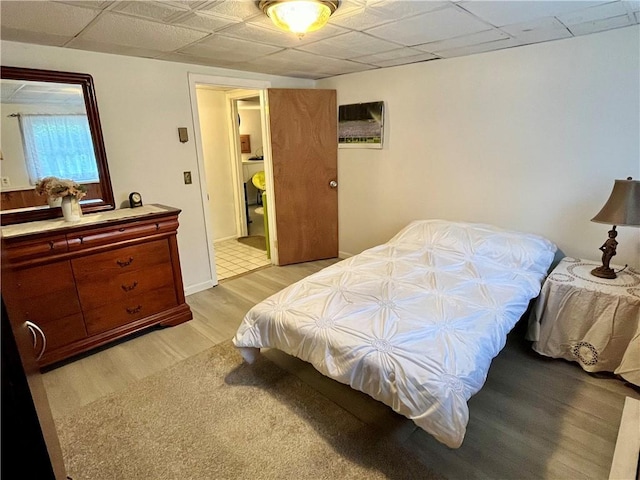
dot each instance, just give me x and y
(304, 154)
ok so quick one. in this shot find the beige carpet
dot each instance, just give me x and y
(214, 417)
(255, 241)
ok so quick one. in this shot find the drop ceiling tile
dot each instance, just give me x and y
(106, 47)
(236, 9)
(97, 5)
(48, 18)
(632, 5)
(202, 21)
(262, 34)
(540, 30)
(25, 36)
(288, 61)
(229, 49)
(195, 59)
(392, 62)
(398, 9)
(601, 25)
(279, 36)
(483, 47)
(330, 69)
(430, 27)
(598, 12)
(285, 58)
(391, 55)
(150, 10)
(500, 13)
(349, 45)
(463, 41)
(348, 7)
(117, 29)
(190, 4)
(360, 19)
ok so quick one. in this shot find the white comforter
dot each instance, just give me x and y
(414, 322)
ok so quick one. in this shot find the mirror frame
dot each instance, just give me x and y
(91, 104)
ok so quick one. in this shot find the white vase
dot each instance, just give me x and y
(54, 202)
(71, 208)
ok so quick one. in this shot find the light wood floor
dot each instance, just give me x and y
(534, 418)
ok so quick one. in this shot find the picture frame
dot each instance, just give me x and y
(361, 125)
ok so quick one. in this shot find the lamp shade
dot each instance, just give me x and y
(623, 206)
(299, 16)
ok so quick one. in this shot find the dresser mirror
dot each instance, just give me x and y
(49, 127)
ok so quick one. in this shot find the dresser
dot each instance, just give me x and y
(80, 285)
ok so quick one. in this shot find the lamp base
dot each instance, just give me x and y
(603, 272)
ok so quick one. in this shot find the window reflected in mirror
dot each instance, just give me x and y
(49, 128)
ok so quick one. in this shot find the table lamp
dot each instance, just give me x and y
(622, 208)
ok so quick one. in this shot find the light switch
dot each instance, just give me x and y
(183, 135)
(187, 178)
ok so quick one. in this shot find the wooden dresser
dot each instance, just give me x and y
(80, 285)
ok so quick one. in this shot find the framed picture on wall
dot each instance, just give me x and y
(361, 125)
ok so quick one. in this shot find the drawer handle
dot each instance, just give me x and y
(157, 226)
(134, 310)
(124, 263)
(128, 288)
(33, 328)
(51, 244)
(121, 229)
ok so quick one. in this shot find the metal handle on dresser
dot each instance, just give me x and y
(33, 328)
(124, 263)
(128, 288)
(134, 310)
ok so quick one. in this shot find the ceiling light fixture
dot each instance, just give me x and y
(299, 16)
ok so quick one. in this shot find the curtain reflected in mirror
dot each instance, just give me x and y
(49, 128)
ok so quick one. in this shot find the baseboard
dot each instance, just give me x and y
(191, 289)
(345, 255)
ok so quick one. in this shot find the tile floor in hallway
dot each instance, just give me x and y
(234, 258)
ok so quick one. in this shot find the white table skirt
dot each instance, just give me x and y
(589, 320)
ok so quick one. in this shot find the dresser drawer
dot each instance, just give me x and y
(117, 314)
(101, 267)
(124, 286)
(114, 234)
(18, 250)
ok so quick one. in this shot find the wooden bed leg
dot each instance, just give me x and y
(249, 354)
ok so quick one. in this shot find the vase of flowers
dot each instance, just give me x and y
(68, 191)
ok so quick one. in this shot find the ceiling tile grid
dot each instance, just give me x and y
(361, 34)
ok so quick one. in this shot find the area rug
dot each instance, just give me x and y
(255, 241)
(213, 416)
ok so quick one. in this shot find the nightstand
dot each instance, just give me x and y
(589, 320)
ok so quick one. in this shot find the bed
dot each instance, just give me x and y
(414, 322)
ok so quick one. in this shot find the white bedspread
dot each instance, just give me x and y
(414, 322)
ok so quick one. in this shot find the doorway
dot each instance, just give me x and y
(229, 124)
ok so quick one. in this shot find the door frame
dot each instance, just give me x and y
(195, 79)
(234, 140)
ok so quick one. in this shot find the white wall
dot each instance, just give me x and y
(529, 138)
(214, 125)
(142, 102)
(250, 125)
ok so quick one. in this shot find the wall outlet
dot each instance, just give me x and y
(187, 178)
(5, 182)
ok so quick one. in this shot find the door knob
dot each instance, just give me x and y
(333, 184)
